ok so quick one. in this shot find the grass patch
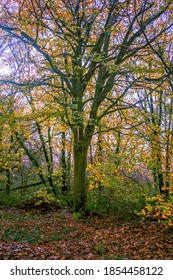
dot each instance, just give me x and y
(21, 235)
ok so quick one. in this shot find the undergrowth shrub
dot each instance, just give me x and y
(115, 200)
(42, 199)
(158, 208)
(44, 195)
(66, 200)
(11, 199)
(110, 191)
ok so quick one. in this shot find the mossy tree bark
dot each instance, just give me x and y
(80, 192)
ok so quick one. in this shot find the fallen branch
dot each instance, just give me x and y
(26, 186)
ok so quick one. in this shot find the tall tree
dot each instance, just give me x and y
(81, 52)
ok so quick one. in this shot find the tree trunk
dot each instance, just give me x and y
(64, 166)
(99, 155)
(82, 140)
(80, 164)
(8, 183)
(69, 171)
(154, 173)
(161, 182)
(161, 178)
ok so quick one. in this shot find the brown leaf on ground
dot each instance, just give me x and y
(58, 236)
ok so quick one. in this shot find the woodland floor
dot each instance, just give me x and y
(58, 236)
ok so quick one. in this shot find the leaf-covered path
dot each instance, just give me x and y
(57, 235)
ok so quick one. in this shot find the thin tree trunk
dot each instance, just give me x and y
(69, 171)
(99, 156)
(32, 158)
(48, 162)
(167, 167)
(8, 183)
(63, 166)
(161, 182)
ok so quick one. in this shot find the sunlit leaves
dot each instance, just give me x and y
(160, 209)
